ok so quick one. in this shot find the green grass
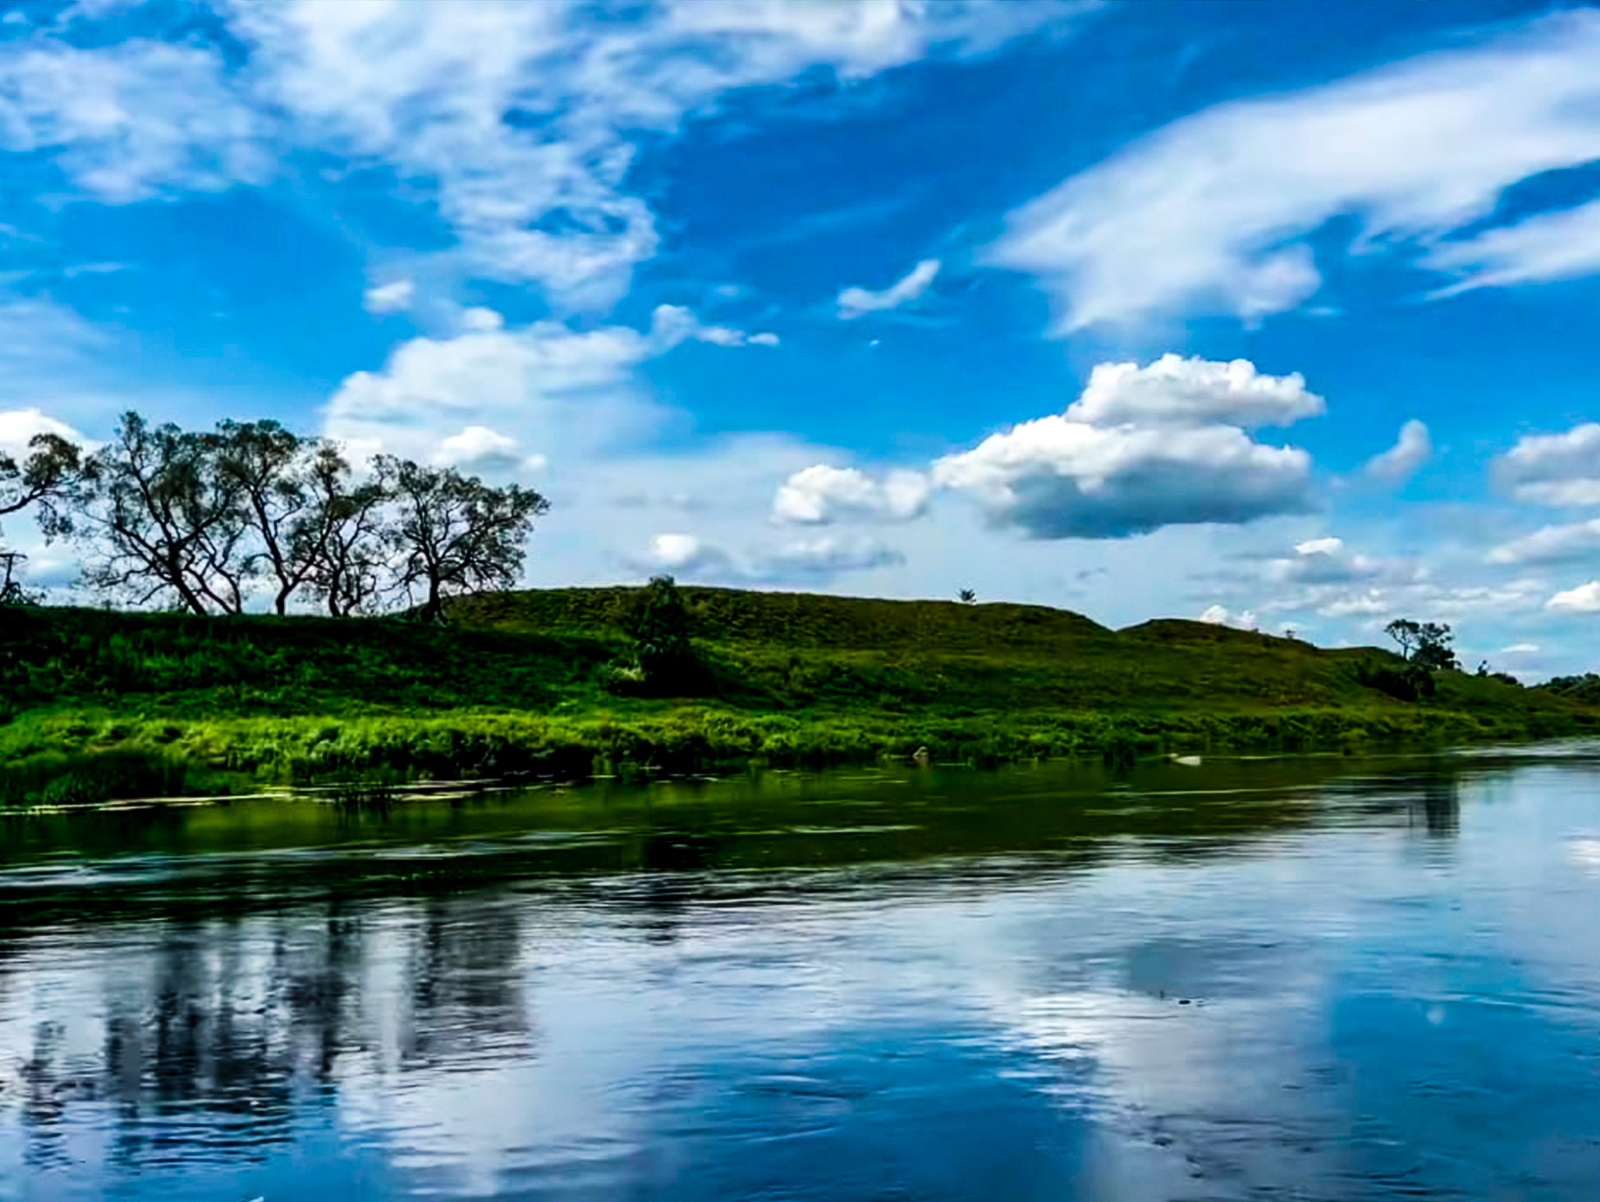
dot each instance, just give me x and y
(99, 704)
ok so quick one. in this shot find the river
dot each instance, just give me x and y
(1321, 978)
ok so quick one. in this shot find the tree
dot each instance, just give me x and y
(161, 518)
(45, 480)
(11, 590)
(1425, 644)
(342, 535)
(267, 465)
(454, 534)
(658, 622)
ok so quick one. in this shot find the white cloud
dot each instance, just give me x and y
(1193, 392)
(1401, 461)
(1321, 561)
(40, 342)
(815, 560)
(393, 297)
(131, 121)
(685, 553)
(1521, 649)
(822, 494)
(1585, 599)
(18, 426)
(516, 123)
(547, 383)
(1554, 469)
(1416, 597)
(479, 318)
(1545, 247)
(1209, 213)
(478, 448)
(568, 392)
(672, 324)
(1552, 544)
(523, 119)
(1167, 460)
(1217, 615)
(857, 302)
(823, 558)
(1319, 546)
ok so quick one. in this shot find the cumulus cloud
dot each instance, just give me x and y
(1585, 599)
(19, 426)
(480, 318)
(1552, 544)
(686, 554)
(393, 297)
(821, 494)
(1193, 392)
(1320, 561)
(545, 385)
(812, 560)
(1217, 615)
(478, 448)
(1401, 461)
(1554, 469)
(1211, 212)
(1142, 449)
(858, 302)
(825, 557)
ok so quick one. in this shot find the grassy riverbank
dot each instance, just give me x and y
(104, 704)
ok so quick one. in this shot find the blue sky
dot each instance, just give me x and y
(1278, 313)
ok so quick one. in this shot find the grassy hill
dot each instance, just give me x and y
(95, 703)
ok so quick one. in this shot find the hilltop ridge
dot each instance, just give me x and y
(98, 703)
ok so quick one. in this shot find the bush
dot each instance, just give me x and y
(657, 620)
(86, 779)
(1409, 684)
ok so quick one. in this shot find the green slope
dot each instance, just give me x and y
(96, 703)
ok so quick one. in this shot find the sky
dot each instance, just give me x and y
(1275, 314)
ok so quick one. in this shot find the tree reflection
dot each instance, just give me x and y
(466, 994)
(240, 1024)
(1441, 804)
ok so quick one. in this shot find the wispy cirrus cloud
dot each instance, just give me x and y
(1211, 213)
(132, 121)
(858, 302)
(516, 123)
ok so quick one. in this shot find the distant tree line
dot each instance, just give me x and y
(1584, 688)
(210, 521)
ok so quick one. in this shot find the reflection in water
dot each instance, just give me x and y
(1231, 982)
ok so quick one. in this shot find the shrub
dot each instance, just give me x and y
(1409, 684)
(657, 620)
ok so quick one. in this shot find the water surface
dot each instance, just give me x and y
(1315, 979)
